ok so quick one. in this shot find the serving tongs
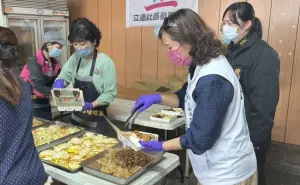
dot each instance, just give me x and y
(121, 137)
(130, 121)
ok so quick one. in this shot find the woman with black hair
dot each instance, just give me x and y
(41, 71)
(257, 66)
(19, 159)
(91, 71)
(216, 138)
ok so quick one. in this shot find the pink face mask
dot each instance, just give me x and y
(178, 59)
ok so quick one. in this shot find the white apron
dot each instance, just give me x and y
(232, 159)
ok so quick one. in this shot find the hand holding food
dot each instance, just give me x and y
(59, 83)
(152, 146)
(87, 106)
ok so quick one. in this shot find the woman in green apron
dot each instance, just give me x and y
(91, 71)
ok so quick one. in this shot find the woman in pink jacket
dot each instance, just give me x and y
(41, 71)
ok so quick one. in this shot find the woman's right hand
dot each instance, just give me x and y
(145, 101)
(59, 84)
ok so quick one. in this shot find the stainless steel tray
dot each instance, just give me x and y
(61, 167)
(67, 169)
(61, 140)
(91, 166)
(42, 120)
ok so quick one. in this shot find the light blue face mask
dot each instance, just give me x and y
(55, 52)
(85, 52)
(229, 34)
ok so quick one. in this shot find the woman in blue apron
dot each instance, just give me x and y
(92, 72)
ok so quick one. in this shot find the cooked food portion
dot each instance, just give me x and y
(163, 116)
(142, 136)
(36, 122)
(174, 110)
(45, 135)
(139, 135)
(123, 163)
(69, 155)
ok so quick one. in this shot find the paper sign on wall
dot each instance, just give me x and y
(153, 12)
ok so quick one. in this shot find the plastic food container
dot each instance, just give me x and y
(173, 111)
(68, 99)
(163, 117)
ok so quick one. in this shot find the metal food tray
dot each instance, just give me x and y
(91, 166)
(68, 169)
(61, 140)
(42, 120)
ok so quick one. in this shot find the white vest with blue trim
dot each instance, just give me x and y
(232, 159)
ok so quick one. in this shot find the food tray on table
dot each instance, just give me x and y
(50, 135)
(113, 170)
(69, 155)
(37, 122)
(162, 117)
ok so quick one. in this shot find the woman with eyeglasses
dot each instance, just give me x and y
(217, 137)
(257, 66)
(91, 71)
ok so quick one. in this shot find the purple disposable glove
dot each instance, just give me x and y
(59, 83)
(152, 146)
(87, 106)
(146, 101)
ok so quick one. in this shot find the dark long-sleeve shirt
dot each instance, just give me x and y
(213, 95)
(257, 66)
(19, 160)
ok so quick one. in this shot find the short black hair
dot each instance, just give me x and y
(83, 29)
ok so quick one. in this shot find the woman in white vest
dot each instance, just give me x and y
(217, 136)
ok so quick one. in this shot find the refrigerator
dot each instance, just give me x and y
(30, 23)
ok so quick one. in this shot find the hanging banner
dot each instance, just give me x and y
(153, 12)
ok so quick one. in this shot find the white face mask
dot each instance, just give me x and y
(229, 34)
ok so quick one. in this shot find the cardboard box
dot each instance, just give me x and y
(175, 83)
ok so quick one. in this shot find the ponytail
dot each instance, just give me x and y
(10, 87)
(245, 12)
(257, 27)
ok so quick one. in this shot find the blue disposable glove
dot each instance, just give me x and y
(87, 106)
(152, 146)
(146, 101)
(59, 83)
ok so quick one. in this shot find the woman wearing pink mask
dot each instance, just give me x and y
(217, 136)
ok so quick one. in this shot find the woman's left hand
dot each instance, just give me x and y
(152, 146)
(87, 106)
